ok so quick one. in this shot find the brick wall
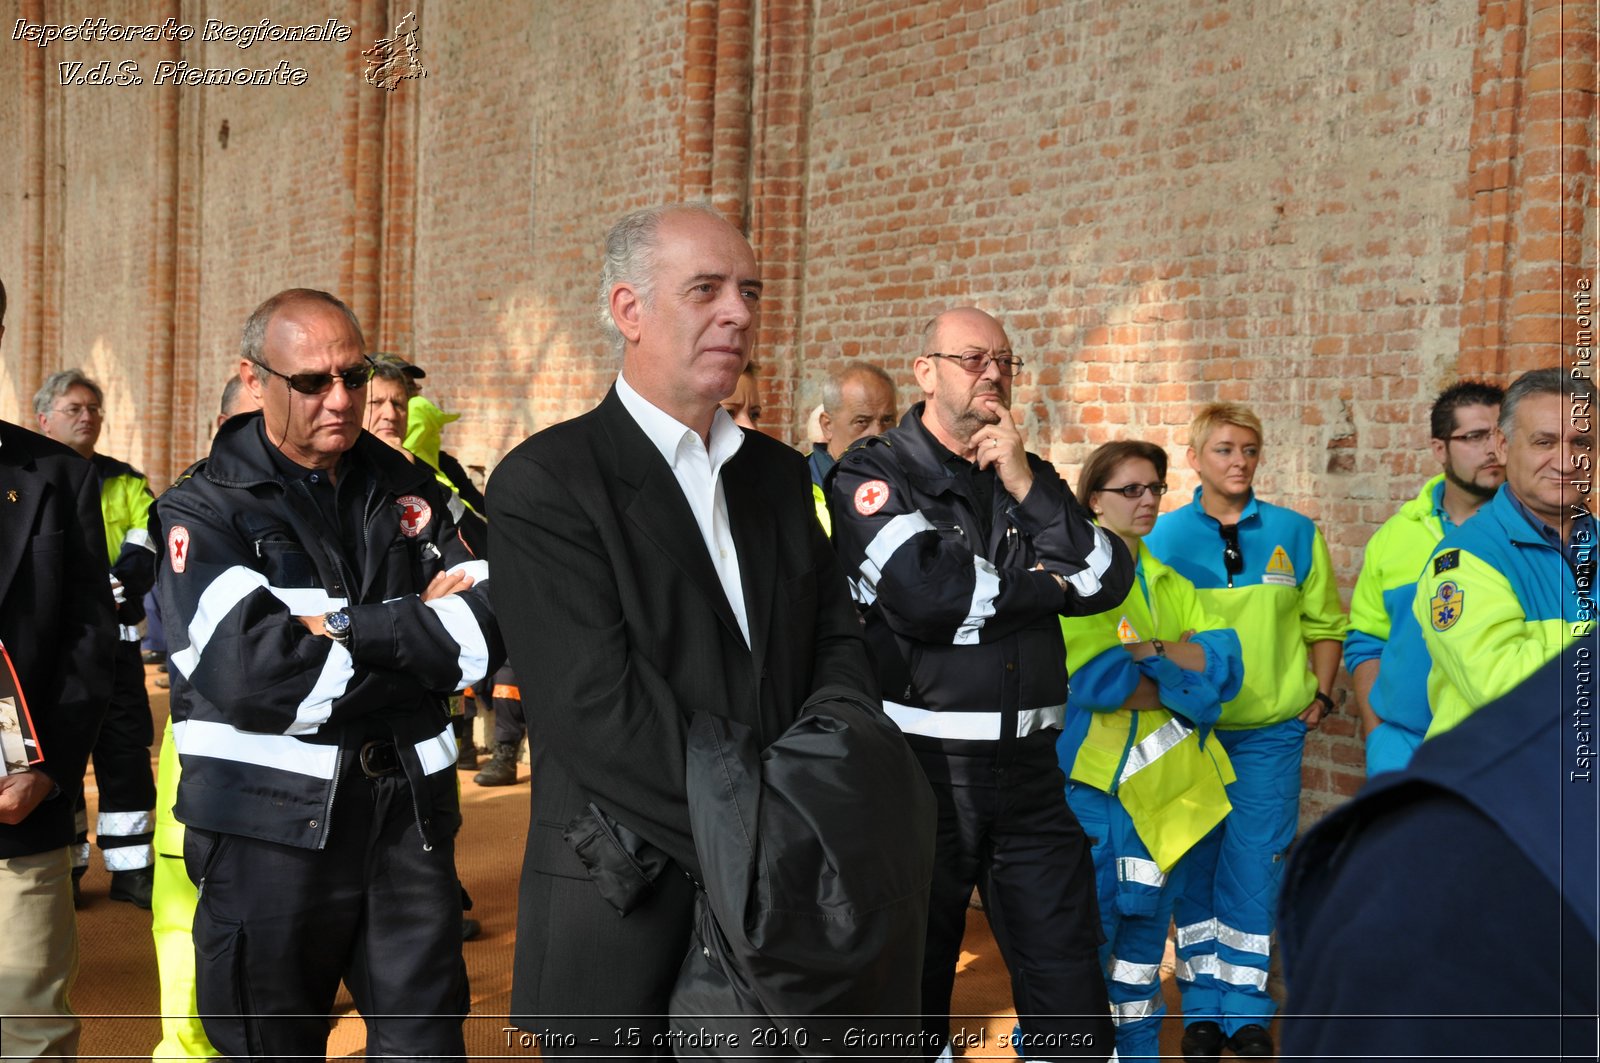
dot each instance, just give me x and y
(1326, 214)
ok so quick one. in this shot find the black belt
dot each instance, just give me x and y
(378, 758)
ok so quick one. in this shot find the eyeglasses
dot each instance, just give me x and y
(1132, 491)
(353, 379)
(73, 412)
(1232, 555)
(976, 362)
(1472, 439)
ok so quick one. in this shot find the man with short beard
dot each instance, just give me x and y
(1385, 644)
(964, 550)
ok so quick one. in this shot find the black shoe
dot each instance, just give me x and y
(501, 770)
(1251, 1042)
(133, 886)
(153, 657)
(1202, 1042)
(467, 757)
(77, 888)
(470, 928)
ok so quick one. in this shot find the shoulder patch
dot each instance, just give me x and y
(415, 513)
(1446, 606)
(178, 547)
(871, 497)
(1446, 561)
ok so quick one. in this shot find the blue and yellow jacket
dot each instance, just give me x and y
(1285, 599)
(1171, 782)
(1382, 628)
(1494, 604)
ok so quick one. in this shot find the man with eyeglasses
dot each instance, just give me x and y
(1384, 653)
(1514, 586)
(964, 551)
(1267, 573)
(320, 609)
(71, 410)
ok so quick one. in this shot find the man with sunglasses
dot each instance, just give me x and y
(1384, 653)
(1266, 572)
(321, 607)
(964, 551)
(71, 410)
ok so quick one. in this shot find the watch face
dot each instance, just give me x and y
(337, 623)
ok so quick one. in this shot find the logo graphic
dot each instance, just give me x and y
(178, 547)
(1280, 562)
(1446, 606)
(414, 515)
(871, 497)
(394, 59)
(1126, 633)
(1446, 561)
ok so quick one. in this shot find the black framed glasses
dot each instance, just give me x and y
(354, 379)
(1232, 555)
(976, 362)
(1133, 491)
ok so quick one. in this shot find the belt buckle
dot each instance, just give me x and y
(377, 758)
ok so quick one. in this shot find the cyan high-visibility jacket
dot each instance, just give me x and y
(1285, 599)
(1494, 604)
(1171, 782)
(1382, 628)
(125, 501)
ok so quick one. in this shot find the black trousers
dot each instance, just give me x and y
(1004, 827)
(277, 927)
(122, 768)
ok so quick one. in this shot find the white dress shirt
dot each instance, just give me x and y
(699, 473)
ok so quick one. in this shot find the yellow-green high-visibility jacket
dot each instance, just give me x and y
(1494, 604)
(125, 501)
(824, 518)
(1389, 569)
(1285, 598)
(1171, 782)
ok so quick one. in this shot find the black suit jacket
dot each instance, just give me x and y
(619, 630)
(56, 617)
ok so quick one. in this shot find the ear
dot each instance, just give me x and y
(253, 382)
(1502, 446)
(1441, 450)
(927, 373)
(825, 426)
(626, 310)
(1194, 462)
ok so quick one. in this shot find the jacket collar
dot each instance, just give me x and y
(1250, 508)
(240, 458)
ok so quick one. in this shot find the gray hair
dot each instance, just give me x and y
(255, 326)
(631, 247)
(1552, 381)
(58, 384)
(833, 386)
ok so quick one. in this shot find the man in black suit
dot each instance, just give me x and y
(653, 561)
(58, 629)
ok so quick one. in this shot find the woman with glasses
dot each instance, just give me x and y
(1266, 572)
(1145, 776)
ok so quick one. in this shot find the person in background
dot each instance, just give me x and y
(1509, 589)
(744, 405)
(858, 400)
(1385, 653)
(1147, 778)
(71, 410)
(1266, 572)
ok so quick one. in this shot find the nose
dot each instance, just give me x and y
(736, 309)
(340, 396)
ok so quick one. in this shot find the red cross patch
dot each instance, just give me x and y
(871, 497)
(414, 515)
(178, 547)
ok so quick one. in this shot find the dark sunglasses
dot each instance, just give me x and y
(1132, 491)
(1232, 556)
(353, 379)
